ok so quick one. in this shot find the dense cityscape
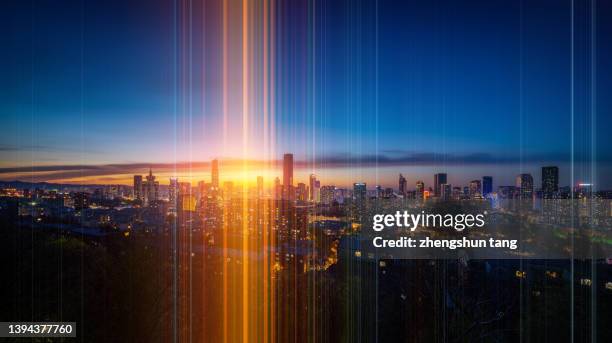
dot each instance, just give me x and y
(184, 197)
(288, 242)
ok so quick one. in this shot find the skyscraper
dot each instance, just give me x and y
(550, 181)
(215, 174)
(487, 185)
(138, 187)
(475, 189)
(301, 193)
(288, 170)
(360, 192)
(316, 193)
(173, 193)
(402, 185)
(457, 193)
(184, 188)
(420, 189)
(81, 200)
(379, 191)
(360, 195)
(151, 189)
(446, 191)
(524, 184)
(288, 192)
(327, 194)
(278, 188)
(312, 180)
(185, 197)
(439, 179)
(203, 189)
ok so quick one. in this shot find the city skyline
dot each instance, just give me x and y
(525, 187)
(268, 171)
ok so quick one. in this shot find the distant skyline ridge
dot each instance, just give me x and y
(251, 172)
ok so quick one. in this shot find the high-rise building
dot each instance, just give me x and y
(185, 198)
(312, 180)
(550, 181)
(81, 201)
(439, 179)
(487, 185)
(475, 189)
(173, 193)
(402, 185)
(327, 194)
(138, 187)
(288, 170)
(300, 193)
(151, 189)
(420, 189)
(524, 184)
(288, 192)
(360, 192)
(446, 191)
(203, 189)
(457, 193)
(188, 203)
(260, 187)
(215, 174)
(278, 188)
(583, 190)
(388, 193)
(379, 191)
(184, 188)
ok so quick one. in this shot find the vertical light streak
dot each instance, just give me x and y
(593, 51)
(573, 226)
(225, 120)
(270, 158)
(247, 28)
(225, 71)
(245, 156)
(263, 203)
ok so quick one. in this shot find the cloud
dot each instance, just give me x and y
(45, 148)
(397, 158)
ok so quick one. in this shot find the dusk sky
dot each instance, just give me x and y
(358, 91)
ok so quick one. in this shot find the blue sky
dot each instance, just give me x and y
(475, 87)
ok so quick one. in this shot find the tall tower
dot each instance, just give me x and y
(288, 192)
(173, 192)
(402, 185)
(311, 190)
(420, 189)
(439, 179)
(524, 184)
(278, 189)
(487, 185)
(215, 173)
(475, 189)
(151, 188)
(550, 181)
(288, 170)
(138, 187)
